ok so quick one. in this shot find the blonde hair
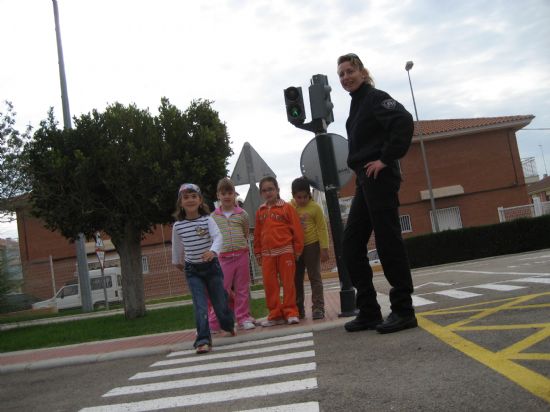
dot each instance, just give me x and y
(356, 62)
(225, 185)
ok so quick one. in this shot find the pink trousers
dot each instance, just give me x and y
(236, 281)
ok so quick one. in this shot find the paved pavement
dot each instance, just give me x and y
(171, 341)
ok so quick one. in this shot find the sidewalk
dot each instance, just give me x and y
(165, 342)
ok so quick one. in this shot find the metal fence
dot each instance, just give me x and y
(537, 208)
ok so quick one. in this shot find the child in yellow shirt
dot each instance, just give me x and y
(315, 248)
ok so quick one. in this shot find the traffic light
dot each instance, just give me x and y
(294, 102)
(319, 99)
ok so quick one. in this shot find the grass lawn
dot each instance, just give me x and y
(108, 327)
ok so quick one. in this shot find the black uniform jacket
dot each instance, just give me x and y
(378, 127)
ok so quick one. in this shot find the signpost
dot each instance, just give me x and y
(100, 253)
(249, 169)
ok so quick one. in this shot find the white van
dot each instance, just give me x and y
(69, 295)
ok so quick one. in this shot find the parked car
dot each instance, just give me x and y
(69, 295)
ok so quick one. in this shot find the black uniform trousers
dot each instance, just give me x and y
(375, 207)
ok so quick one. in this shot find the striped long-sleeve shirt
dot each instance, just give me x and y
(234, 229)
(191, 238)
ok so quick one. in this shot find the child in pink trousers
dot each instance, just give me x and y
(233, 223)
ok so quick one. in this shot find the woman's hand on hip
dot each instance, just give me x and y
(374, 167)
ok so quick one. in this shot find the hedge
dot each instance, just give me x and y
(517, 236)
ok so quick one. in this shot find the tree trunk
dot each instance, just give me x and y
(128, 246)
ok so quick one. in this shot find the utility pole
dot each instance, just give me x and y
(83, 275)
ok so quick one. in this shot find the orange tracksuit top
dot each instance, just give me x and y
(277, 230)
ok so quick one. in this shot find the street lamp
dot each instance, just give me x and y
(408, 67)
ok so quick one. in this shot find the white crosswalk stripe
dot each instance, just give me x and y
(499, 287)
(457, 294)
(418, 301)
(216, 384)
(296, 345)
(302, 407)
(224, 365)
(460, 293)
(208, 397)
(231, 377)
(534, 280)
(249, 344)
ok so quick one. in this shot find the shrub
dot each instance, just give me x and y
(517, 236)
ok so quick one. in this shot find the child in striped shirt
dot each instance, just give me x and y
(233, 223)
(196, 242)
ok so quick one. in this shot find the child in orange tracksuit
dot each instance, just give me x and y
(278, 243)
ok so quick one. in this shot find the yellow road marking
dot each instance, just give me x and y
(504, 327)
(503, 360)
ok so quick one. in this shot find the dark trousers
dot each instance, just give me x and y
(374, 207)
(310, 260)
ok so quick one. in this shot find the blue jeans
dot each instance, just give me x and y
(206, 279)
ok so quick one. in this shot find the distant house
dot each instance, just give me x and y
(540, 189)
(474, 166)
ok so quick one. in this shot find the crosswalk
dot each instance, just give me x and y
(230, 373)
(501, 286)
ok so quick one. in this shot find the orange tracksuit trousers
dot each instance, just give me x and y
(285, 266)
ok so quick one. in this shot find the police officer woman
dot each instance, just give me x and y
(379, 133)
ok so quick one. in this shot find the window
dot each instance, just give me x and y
(405, 221)
(145, 264)
(68, 291)
(447, 219)
(97, 283)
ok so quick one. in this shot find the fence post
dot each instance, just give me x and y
(537, 206)
(501, 216)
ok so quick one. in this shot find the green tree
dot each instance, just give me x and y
(5, 284)
(12, 178)
(118, 171)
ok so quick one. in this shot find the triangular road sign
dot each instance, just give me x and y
(250, 167)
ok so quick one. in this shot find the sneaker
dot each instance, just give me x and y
(248, 324)
(272, 322)
(318, 314)
(204, 348)
(293, 320)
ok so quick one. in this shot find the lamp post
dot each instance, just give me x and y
(82, 259)
(408, 67)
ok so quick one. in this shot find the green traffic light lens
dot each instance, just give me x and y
(294, 111)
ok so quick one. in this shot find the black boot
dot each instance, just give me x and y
(395, 323)
(362, 323)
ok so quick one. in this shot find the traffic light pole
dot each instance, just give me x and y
(321, 112)
(327, 161)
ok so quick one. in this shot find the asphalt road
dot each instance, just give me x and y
(483, 345)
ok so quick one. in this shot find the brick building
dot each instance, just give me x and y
(49, 260)
(474, 165)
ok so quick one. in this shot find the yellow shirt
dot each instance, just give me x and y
(313, 222)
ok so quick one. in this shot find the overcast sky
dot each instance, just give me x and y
(472, 58)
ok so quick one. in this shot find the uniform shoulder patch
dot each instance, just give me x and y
(389, 104)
